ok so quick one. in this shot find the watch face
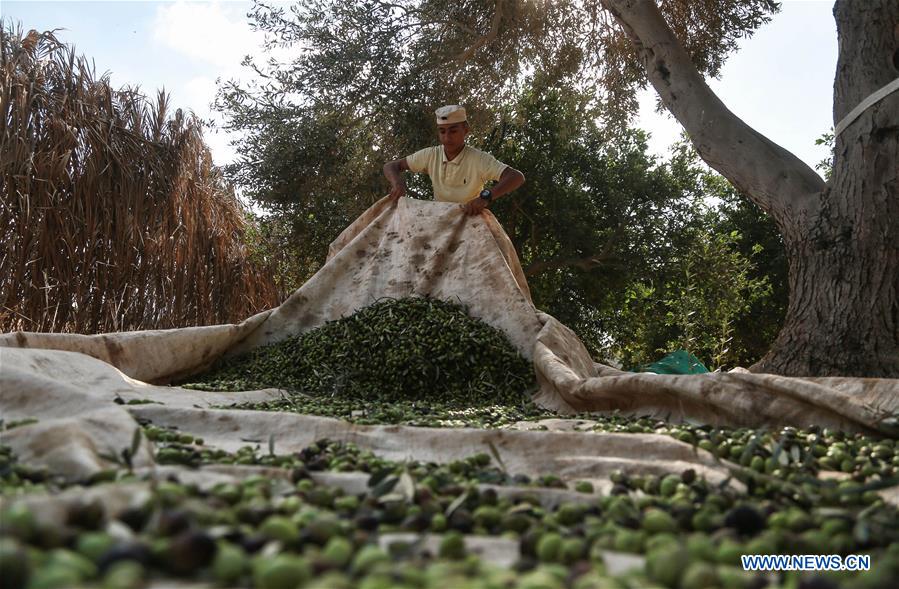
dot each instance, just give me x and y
(486, 194)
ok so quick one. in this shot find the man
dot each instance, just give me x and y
(458, 171)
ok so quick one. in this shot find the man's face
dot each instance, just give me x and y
(452, 136)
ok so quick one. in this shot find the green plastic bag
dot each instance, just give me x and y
(677, 362)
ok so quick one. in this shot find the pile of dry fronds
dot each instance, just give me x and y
(112, 215)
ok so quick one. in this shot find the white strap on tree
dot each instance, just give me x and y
(865, 105)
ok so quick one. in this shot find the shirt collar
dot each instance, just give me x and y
(456, 160)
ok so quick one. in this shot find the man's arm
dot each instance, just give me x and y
(509, 180)
(393, 171)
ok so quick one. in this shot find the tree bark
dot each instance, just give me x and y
(842, 238)
(843, 316)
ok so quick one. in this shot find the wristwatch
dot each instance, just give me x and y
(486, 195)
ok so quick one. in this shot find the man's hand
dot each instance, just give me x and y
(393, 171)
(508, 181)
(474, 206)
(397, 191)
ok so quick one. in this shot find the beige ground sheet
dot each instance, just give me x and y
(70, 383)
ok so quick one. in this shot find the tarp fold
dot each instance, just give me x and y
(71, 383)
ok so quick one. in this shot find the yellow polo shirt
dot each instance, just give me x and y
(460, 179)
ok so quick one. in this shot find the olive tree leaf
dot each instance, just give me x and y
(384, 487)
(495, 453)
(135, 441)
(378, 476)
(457, 502)
(407, 486)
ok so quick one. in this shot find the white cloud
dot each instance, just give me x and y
(215, 37)
(199, 93)
(211, 33)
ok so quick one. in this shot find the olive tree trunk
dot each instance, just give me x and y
(841, 237)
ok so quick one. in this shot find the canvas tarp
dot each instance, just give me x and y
(70, 382)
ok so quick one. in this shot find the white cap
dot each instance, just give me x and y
(449, 114)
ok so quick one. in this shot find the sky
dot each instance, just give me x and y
(780, 81)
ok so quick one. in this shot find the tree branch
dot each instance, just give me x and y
(775, 179)
(584, 263)
(489, 37)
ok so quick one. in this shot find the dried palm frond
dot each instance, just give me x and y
(112, 214)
